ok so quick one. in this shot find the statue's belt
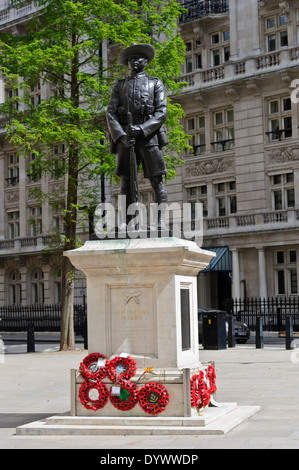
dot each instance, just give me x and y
(137, 119)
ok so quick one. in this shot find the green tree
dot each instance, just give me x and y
(61, 46)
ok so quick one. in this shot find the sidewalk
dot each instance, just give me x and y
(37, 385)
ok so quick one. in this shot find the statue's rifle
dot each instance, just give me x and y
(133, 167)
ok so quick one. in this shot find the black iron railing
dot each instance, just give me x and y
(45, 317)
(272, 311)
(197, 9)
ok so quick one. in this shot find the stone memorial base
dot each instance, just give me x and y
(142, 302)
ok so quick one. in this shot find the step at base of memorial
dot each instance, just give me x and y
(212, 420)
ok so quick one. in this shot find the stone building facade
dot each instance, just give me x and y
(241, 67)
(29, 270)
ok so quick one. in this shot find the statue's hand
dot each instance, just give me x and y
(127, 141)
(134, 131)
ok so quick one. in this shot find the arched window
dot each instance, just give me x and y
(37, 286)
(14, 287)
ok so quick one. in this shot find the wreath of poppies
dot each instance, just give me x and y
(153, 398)
(202, 386)
(121, 368)
(200, 396)
(90, 369)
(211, 376)
(93, 403)
(128, 396)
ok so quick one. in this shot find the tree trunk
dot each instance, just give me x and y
(67, 335)
(67, 340)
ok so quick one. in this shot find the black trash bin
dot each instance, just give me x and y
(214, 330)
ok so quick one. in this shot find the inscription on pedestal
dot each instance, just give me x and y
(133, 320)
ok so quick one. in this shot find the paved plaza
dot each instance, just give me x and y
(37, 385)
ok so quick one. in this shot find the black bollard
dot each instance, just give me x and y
(289, 332)
(259, 338)
(30, 338)
(231, 332)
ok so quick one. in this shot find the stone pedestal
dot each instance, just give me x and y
(142, 301)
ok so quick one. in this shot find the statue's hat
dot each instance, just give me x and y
(145, 49)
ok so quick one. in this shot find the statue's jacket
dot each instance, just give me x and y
(144, 97)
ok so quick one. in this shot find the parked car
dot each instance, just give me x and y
(242, 332)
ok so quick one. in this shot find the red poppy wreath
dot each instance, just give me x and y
(127, 398)
(93, 395)
(153, 398)
(92, 367)
(121, 368)
(211, 376)
(200, 396)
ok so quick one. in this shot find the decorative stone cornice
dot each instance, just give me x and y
(284, 7)
(200, 33)
(283, 154)
(12, 197)
(286, 77)
(209, 167)
(202, 98)
(232, 92)
(253, 85)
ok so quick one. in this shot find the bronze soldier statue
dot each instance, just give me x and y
(136, 113)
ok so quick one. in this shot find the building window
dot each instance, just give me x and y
(35, 95)
(223, 129)
(276, 32)
(220, 47)
(35, 221)
(193, 56)
(11, 94)
(286, 279)
(198, 59)
(226, 198)
(196, 129)
(283, 191)
(14, 287)
(279, 119)
(13, 224)
(34, 173)
(59, 217)
(147, 198)
(58, 169)
(188, 64)
(37, 286)
(12, 171)
(188, 57)
(198, 194)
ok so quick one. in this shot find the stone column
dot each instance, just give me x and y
(262, 273)
(236, 289)
(22, 199)
(2, 195)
